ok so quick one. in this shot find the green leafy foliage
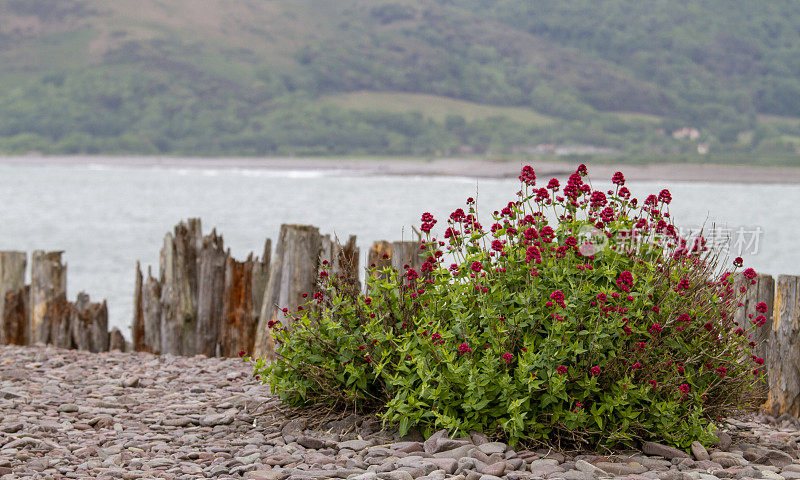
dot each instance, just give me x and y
(578, 317)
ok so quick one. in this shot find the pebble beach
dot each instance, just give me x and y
(71, 414)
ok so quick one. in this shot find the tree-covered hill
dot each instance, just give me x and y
(260, 77)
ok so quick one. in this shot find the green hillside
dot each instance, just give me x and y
(259, 77)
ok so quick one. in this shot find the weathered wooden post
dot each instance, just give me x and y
(783, 356)
(380, 255)
(342, 259)
(12, 279)
(178, 264)
(396, 255)
(15, 316)
(57, 319)
(48, 295)
(137, 324)
(151, 314)
(239, 315)
(762, 291)
(89, 325)
(242, 301)
(259, 282)
(115, 340)
(294, 270)
(380, 251)
(146, 326)
(212, 260)
(407, 253)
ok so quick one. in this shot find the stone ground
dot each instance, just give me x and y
(69, 414)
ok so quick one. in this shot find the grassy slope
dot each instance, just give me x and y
(199, 51)
(236, 40)
(432, 106)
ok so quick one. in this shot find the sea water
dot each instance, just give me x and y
(106, 218)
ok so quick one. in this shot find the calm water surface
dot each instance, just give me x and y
(105, 219)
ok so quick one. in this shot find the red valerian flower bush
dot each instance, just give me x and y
(599, 325)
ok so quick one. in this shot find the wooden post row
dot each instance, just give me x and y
(203, 300)
(217, 305)
(40, 312)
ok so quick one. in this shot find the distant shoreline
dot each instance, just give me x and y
(460, 167)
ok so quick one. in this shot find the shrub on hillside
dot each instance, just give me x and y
(577, 317)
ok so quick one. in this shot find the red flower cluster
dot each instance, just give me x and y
(542, 196)
(761, 307)
(625, 281)
(575, 186)
(527, 176)
(530, 234)
(684, 388)
(547, 234)
(508, 357)
(458, 215)
(561, 369)
(497, 245)
(598, 199)
(558, 297)
(601, 297)
(655, 328)
(464, 348)
(451, 233)
(427, 222)
(428, 265)
(533, 254)
(595, 371)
